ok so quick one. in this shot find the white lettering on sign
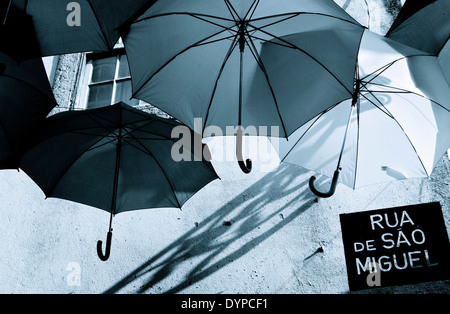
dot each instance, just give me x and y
(391, 222)
(393, 238)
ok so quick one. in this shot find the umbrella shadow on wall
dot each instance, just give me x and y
(225, 230)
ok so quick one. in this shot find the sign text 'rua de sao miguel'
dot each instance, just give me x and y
(396, 246)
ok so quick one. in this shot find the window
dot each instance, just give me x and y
(108, 80)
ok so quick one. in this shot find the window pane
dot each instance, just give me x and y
(123, 93)
(100, 95)
(124, 70)
(103, 69)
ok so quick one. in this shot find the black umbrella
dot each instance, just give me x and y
(66, 26)
(26, 98)
(118, 159)
(202, 59)
(425, 25)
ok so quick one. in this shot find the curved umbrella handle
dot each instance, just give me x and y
(104, 257)
(246, 166)
(332, 188)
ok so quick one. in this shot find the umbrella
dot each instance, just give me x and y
(62, 27)
(118, 159)
(26, 98)
(200, 59)
(425, 25)
(394, 125)
(17, 33)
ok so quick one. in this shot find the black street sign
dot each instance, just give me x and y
(395, 246)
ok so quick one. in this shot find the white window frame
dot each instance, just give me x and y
(86, 77)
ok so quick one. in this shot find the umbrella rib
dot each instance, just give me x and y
(286, 17)
(272, 42)
(306, 13)
(379, 70)
(258, 60)
(313, 118)
(232, 11)
(301, 137)
(317, 118)
(176, 55)
(99, 24)
(405, 91)
(81, 132)
(391, 92)
(251, 9)
(227, 56)
(63, 173)
(207, 21)
(183, 13)
(97, 119)
(358, 111)
(442, 47)
(147, 152)
(386, 66)
(307, 54)
(7, 12)
(111, 140)
(393, 88)
(406, 135)
(377, 106)
(216, 40)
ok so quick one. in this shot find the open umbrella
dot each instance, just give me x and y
(201, 59)
(118, 159)
(18, 38)
(26, 98)
(65, 26)
(395, 123)
(425, 25)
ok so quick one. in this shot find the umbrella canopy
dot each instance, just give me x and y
(17, 33)
(425, 25)
(26, 98)
(394, 125)
(65, 26)
(116, 158)
(201, 59)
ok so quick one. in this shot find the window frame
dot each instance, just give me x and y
(87, 83)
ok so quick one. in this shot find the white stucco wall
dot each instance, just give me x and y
(49, 246)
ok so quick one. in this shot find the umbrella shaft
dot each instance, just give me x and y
(241, 35)
(345, 137)
(241, 71)
(116, 173)
(354, 103)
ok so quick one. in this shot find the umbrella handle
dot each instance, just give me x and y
(104, 257)
(332, 188)
(246, 166)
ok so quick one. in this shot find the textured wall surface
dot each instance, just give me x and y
(256, 233)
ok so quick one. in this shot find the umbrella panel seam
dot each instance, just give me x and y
(150, 154)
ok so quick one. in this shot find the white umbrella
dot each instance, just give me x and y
(395, 124)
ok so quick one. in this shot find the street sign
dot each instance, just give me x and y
(396, 246)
